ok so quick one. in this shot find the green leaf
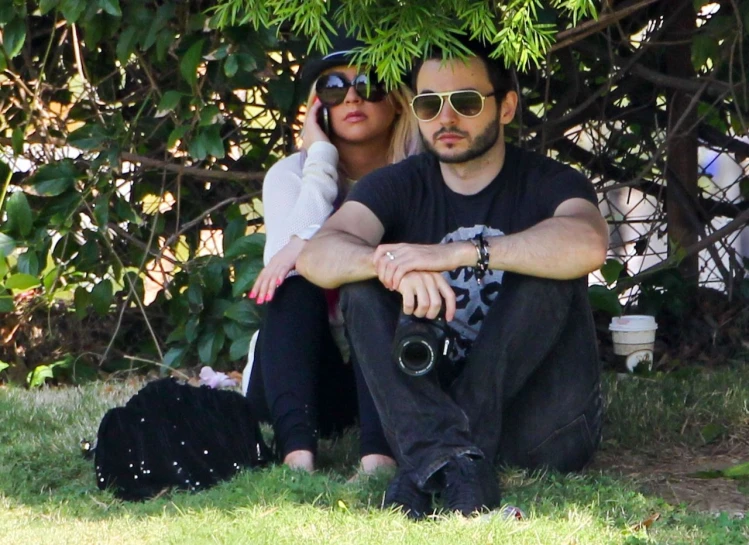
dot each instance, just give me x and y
(101, 211)
(112, 7)
(282, 92)
(192, 327)
(188, 66)
(604, 299)
(711, 432)
(51, 180)
(3, 267)
(242, 311)
(210, 115)
(198, 147)
(239, 348)
(28, 263)
(209, 345)
(245, 275)
(14, 35)
(20, 218)
(49, 280)
(22, 281)
(195, 295)
(72, 9)
(174, 356)
(739, 471)
(7, 245)
(45, 6)
(90, 136)
(6, 303)
(169, 101)
(235, 229)
(17, 140)
(3, 366)
(248, 245)
(176, 134)
(101, 297)
(39, 375)
(213, 142)
(231, 66)
(126, 44)
(611, 270)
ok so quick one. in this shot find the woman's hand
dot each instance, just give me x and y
(311, 131)
(275, 272)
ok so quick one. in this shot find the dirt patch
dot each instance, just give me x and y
(671, 474)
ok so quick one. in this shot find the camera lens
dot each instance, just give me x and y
(416, 357)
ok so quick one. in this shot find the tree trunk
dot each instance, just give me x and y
(682, 167)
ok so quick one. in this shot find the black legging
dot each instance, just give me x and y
(299, 381)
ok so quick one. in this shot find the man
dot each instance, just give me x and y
(498, 239)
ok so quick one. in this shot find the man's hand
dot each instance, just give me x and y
(394, 261)
(275, 272)
(424, 293)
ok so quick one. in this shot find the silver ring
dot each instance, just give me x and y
(390, 255)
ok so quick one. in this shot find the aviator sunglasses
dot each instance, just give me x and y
(468, 103)
(332, 88)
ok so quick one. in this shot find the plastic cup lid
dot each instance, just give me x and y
(635, 322)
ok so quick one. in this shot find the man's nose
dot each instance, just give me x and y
(448, 116)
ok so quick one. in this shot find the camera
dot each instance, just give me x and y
(420, 344)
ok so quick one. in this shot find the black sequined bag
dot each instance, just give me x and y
(176, 435)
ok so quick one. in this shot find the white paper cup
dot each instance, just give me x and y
(634, 339)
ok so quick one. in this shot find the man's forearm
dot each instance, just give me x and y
(332, 258)
(559, 248)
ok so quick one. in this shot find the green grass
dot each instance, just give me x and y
(48, 493)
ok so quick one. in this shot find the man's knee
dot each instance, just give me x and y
(567, 448)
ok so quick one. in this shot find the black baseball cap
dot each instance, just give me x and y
(341, 53)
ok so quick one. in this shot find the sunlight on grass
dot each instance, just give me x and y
(48, 493)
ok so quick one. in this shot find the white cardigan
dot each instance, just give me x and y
(299, 193)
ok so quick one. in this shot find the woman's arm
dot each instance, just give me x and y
(297, 196)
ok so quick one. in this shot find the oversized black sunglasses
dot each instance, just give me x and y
(468, 103)
(332, 88)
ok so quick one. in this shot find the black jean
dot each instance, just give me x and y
(528, 394)
(300, 383)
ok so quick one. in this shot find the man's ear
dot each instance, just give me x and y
(508, 107)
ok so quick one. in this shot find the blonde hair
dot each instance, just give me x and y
(404, 139)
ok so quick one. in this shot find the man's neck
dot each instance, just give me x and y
(359, 159)
(472, 176)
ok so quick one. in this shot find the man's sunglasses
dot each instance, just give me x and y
(468, 103)
(332, 88)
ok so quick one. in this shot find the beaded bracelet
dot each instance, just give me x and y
(482, 256)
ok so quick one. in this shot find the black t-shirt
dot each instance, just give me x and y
(414, 205)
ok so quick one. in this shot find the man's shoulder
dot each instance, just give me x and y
(414, 166)
(538, 165)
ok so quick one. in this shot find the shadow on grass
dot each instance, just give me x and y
(41, 467)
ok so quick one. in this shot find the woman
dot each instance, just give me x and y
(301, 373)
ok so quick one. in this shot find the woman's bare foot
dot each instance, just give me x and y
(300, 459)
(373, 463)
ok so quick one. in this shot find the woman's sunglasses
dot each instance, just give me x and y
(467, 103)
(332, 88)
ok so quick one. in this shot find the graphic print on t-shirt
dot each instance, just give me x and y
(472, 300)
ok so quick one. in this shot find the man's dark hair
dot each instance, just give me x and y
(500, 77)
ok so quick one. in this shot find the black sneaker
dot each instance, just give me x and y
(470, 486)
(403, 493)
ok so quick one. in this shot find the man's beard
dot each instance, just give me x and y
(481, 144)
